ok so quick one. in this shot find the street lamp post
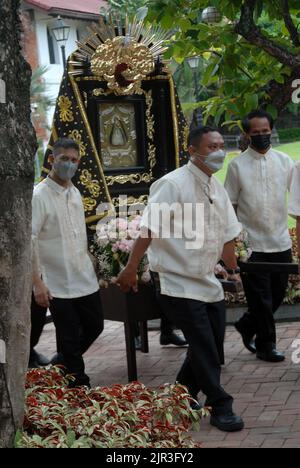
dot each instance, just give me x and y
(209, 15)
(197, 114)
(61, 33)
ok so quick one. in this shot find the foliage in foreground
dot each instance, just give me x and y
(120, 416)
(248, 50)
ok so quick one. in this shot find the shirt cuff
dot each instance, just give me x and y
(232, 232)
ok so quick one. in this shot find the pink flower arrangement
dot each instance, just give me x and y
(112, 246)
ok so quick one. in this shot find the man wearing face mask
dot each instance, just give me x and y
(188, 292)
(257, 183)
(64, 278)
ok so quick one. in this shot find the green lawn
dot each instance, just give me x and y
(292, 149)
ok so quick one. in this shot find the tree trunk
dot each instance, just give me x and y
(17, 149)
(280, 93)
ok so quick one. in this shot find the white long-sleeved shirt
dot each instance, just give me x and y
(258, 184)
(294, 200)
(60, 241)
(189, 272)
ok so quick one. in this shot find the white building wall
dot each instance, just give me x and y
(54, 73)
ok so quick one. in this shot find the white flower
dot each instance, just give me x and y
(122, 235)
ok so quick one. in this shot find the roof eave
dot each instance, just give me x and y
(73, 14)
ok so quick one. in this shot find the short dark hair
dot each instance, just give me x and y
(65, 143)
(260, 114)
(196, 134)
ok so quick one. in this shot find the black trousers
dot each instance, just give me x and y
(166, 327)
(203, 326)
(78, 323)
(265, 293)
(38, 320)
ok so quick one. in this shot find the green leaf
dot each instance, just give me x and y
(280, 79)
(71, 438)
(272, 110)
(184, 24)
(218, 115)
(210, 71)
(229, 88)
(18, 438)
(251, 102)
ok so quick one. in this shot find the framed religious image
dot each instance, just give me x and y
(121, 134)
(118, 135)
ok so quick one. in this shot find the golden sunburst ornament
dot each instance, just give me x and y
(120, 53)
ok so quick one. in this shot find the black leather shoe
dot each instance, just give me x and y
(33, 365)
(270, 354)
(42, 360)
(196, 406)
(248, 340)
(227, 422)
(37, 360)
(172, 338)
(83, 381)
(58, 360)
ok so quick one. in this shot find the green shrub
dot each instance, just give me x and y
(289, 134)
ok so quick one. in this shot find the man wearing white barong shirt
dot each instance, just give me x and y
(183, 272)
(257, 183)
(294, 202)
(64, 278)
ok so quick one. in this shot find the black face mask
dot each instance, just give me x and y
(261, 142)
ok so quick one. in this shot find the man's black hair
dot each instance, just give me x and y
(261, 114)
(65, 143)
(196, 134)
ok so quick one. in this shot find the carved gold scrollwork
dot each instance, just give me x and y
(185, 137)
(76, 136)
(149, 115)
(89, 204)
(123, 64)
(65, 108)
(91, 185)
(132, 178)
(100, 92)
(131, 201)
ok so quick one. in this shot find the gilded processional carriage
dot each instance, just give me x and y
(118, 101)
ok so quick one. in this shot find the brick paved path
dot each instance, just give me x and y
(267, 395)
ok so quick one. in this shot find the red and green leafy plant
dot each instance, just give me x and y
(106, 417)
(293, 291)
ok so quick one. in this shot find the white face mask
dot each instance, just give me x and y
(214, 161)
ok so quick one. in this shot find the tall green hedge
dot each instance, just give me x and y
(289, 134)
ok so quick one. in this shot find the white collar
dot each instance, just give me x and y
(198, 173)
(256, 155)
(56, 187)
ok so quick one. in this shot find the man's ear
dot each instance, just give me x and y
(191, 150)
(51, 159)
